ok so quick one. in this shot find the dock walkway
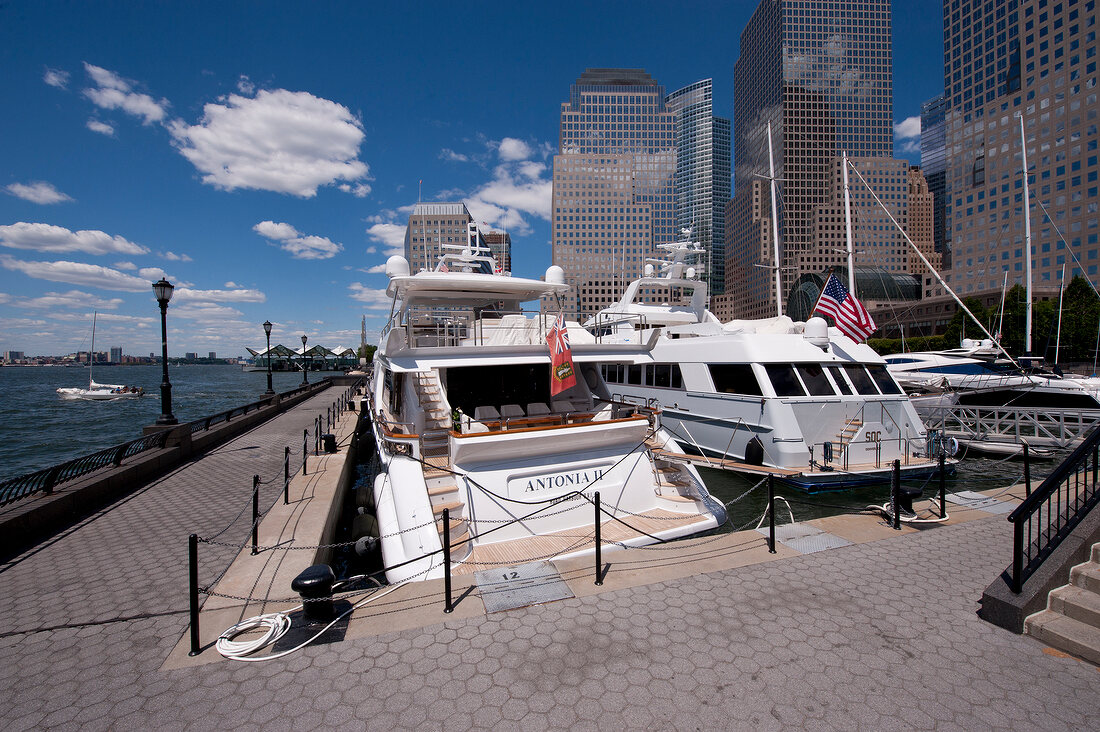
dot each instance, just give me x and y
(715, 633)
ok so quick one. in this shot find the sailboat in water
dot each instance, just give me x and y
(99, 392)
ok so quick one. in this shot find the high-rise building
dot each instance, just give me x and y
(213, 355)
(921, 227)
(702, 184)
(933, 164)
(820, 72)
(500, 243)
(1004, 59)
(116, 354)
(613, 183)
(433, 226)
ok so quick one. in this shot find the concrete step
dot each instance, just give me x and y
(1077, 603)
(1086, 576)
(1096, 553)
(1066, 634)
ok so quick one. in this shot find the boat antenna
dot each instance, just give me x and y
(848, 221)
(931, 269)
(1027, 238)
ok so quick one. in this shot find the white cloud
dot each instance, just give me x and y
(281, 141)
(152, 274)
(101, 127)
(372, 250)
(300, 247)
(56, 77)
(204, 311)
(245, 85)
(453, 157)
(376, 269)
(512, 194)
(512, 149)
(361, 190)
(70, 299)
(173, 257)
(37, 192)
(908, 127)
(77, 273)
(231, 285)
(191, 295)
(49, 238)
(373, 298)
(390, 235)
(909, 147)
(125, 265)
(114, 92)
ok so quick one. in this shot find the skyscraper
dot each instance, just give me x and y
(613, 183)
(1003, 59)
(433, 226)
(933, 163)
(702, 184)
(820, 72)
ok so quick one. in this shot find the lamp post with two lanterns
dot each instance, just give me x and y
(163, 292)
(267, 332)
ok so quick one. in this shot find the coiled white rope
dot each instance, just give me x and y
(278, 624)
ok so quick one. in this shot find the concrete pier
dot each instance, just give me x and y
(715, 633)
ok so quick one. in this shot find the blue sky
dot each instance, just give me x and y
(265, 156)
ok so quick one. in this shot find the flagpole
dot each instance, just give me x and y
(775, 229)
(848, 224)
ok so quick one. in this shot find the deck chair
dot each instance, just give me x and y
(511, 411)
(486, 413)
(537, 409)
(561, 405)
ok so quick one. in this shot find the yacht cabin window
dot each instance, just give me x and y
(838, 378)
(661, 375)
(784, 380)
(860, 380)
(813, 376)
(886, 383)
(734, 378)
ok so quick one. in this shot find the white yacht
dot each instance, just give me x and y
(801, 398)
(970, 376)
(463, 419)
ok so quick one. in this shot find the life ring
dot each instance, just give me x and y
(952, 446)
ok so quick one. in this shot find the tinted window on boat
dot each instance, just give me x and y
(675, 380)
(841, 382)
(886, 383)
(860, 380)
(634, 374)
(784, 380)
(662, 375)
(734, 378)
(813, 376)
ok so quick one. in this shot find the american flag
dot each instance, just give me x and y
(851, 317)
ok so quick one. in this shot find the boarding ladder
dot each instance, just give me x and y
(443, 489)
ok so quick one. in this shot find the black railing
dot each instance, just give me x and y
(1050, 513)
(44, 481)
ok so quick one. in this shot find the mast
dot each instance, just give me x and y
(1027, 239)
(848, 224)
(1001, 317)
(91, 353)
(775, 229)
(1058, 339)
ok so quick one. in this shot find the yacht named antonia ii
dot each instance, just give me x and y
(464, 419)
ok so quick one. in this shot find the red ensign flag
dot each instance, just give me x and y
(562, 375)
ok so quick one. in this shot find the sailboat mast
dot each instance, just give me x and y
(848, 224)
(1058, 338)
(91, 353)
(1001, 317)
(1027, 239)
(775, 229)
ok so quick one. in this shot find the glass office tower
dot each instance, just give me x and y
(933, 163)
(702, 174)
(820, 72)
(613, 183)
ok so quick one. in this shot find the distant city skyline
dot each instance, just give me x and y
(270, 181)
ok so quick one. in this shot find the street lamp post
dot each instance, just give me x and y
(305, 371)
(163, 292)
(267, 332)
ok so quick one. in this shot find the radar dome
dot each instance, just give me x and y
(397, 266)
(649, 270)
(817, 333)
(555, 275)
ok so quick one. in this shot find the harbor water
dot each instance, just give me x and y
(38, 429)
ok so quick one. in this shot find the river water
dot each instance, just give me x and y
(38, 429)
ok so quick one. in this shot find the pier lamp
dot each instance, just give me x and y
(163, 292)
(305, 371)
(267, 332)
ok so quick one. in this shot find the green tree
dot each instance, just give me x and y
(367, 352)
(954, 333)
(1080, 317)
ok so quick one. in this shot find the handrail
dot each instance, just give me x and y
(1065, 497)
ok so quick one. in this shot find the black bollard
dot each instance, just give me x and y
(943, 488)
(448, 607)
(599, 554)
(1027, 470)
(255, 514)
(193, 590)
(305, 449)
(771, 514)
(314, 585)
(286, 475)
(895, 488)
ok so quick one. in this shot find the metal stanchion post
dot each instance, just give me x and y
(286, 475)
(895, 488)
(193, 590)
(1027, 470)
(448, 607)
(305, 449)
(943, 488)
(771, 514)
(599, 553)
(255, 514)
